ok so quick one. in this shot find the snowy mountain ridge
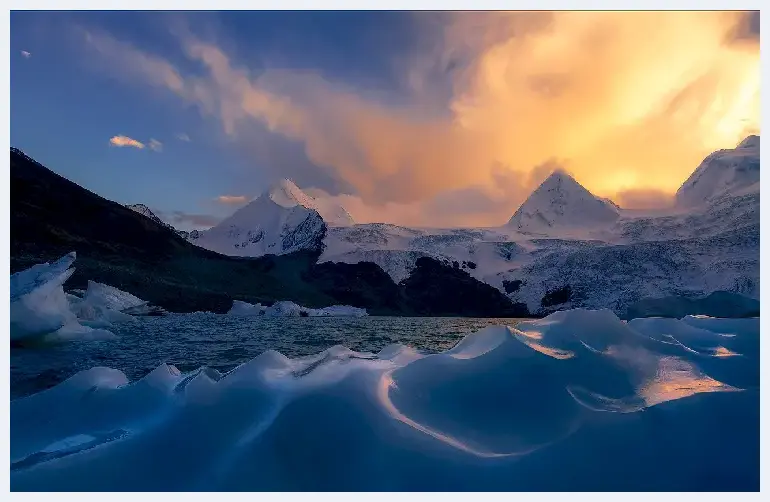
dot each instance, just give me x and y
(724, 171)
(563, 247)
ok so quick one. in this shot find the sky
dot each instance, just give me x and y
(413, 118)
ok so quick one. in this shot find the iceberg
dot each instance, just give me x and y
(41, 311)
(109, 297)
(244, 308)
(577, 401)
(291, 309)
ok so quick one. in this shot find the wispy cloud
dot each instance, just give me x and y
(123, 141)
(26, 54)
(155, 145)
(183, 137)
(231, 199)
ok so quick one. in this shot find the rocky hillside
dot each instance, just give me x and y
(51, 216)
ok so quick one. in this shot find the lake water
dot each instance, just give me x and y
(223, 342)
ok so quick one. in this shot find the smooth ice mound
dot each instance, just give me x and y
(576, 401)
(41, 311)
(291, 309)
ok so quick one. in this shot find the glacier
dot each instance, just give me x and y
(291, 309)
(577, 401)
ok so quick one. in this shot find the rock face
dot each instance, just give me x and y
(444, 290)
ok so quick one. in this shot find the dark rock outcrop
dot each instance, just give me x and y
(437, 289)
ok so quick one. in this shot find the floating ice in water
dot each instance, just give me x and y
(243, 308)
(291, 309)
(40, 309)
(101, 296)
(576, 401)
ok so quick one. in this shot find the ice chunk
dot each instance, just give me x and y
(244, 308)
(291, 309)
(41, 310)
(111, 297)
(38, 304)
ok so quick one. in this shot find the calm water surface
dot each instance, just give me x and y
(223, 342)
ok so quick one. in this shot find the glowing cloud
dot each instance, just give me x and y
(123, 141)
(631, 101)
(26, 54)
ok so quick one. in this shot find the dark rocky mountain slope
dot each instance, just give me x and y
(51, 216)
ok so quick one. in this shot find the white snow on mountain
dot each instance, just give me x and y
(264, 227)
(724, 172)
(282, 220)
(563, 247)
(560, 202)
(286, 194)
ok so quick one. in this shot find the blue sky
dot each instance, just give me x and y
(65, 109)
(445, 119)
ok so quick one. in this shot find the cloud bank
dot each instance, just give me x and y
(629, 102)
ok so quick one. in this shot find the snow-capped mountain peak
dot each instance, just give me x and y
(287, 194)
(560, 201)
(730, 171)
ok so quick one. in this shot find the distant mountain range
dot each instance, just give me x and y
(131, 249)
(564, 247)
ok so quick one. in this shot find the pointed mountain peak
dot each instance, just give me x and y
(559, 177)
(560, 201)
(286, 193)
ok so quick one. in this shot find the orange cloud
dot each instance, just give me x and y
(126, 141)
(629, 100)
(232, 199)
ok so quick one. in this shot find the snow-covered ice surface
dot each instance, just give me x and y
(41, 311)
(291, 309)
(577, 401)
